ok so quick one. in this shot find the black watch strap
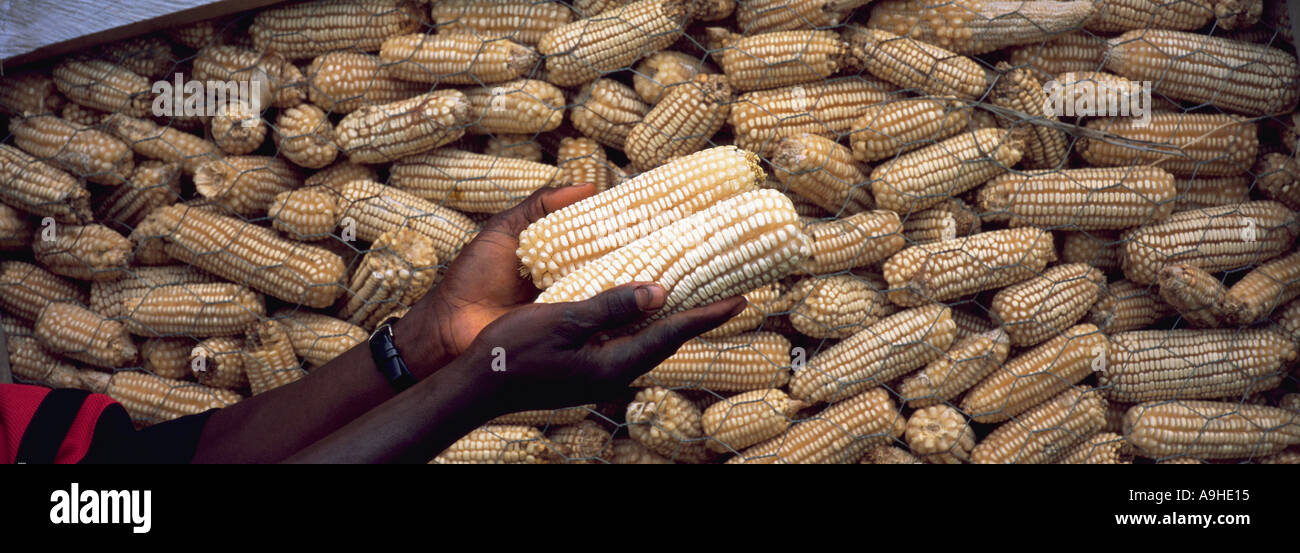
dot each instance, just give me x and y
(387, 359)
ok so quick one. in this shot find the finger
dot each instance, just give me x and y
(539, 204)
(611, 309)
(631, 356)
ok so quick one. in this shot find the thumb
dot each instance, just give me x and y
(613, 308)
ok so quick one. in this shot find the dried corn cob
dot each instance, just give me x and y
(79, 333)
(163, 143)
(841, 433)
(196, 310)
(167, 357)
(78, 114)
(924, 178)
(305, 214)
(108, 297)
(583, 50)
(1096, 248)
(1127, 305)
(668, 424)
(150, 399)
(1288, 457)
(525, 21)
(758, 16)
(681, 123)
(1194, 293)
(546, 418)
(582, 160)
(383, 133)
(150, 56)
(1290, 402)
(251, 255)
(888, 129)
(762, 118)
(605, 110)
(1278, 177)
(239, 130)
(333, 178)
(308, 29)
(1076, 51)
(1037, 374)
(969, 323)
(374, 209)
(1209, 429)
(978, 26)
(1262, 290)
(950, 269)
(585, 443)
(854, 241)
(889, 455)
(471, 182)
(939, 434)
(745, 419)
(1017, 90)
(822, 171)
(627, 451)
(86, 252)
(523, 106)
(501, 445)
(31, 362)
(760, 302)
(1082, 199)
(1183, 144)
(24, 94)
(913, 64)
(456, 58)
(744, 362)
(946, 221)
(104, 86)
(779, 58)
(968, 361)
(665, 69)
(1123, 15)
(269, 359)
(1201, 192)
(837, 306)
(15, 229)
(398, 270)
(562, 242)
(245, 184)
(1237, 76)
(84, 152)
(219, 363)
(514, 146)
(1151, 365)
(342, 82)
(1046, 433)
(317, 338)
(1214, 239)
(1106, 448)
(153, 184)
(1047, 304)
(41, 189)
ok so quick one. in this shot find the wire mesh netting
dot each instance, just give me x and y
(1035, 232)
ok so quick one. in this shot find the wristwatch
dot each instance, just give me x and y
(387, 359)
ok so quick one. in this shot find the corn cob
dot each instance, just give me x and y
(246, 185)
(1288, 457)
(15, 229)
(885, 130)
(501, 445)
(343, 82)
(681, 123)
(247, 254)
(978, 26)
(1089, 93)
(83, 116)
(383, 133)
(84, 152)
(456, 58)
(1046, 433)
(968, 361)
(856, 241)
(1194, 293)
(1127, 305)
(86, 252)
(946, 221)
(317, 338)
(758, 16)
(30, 362)
(840, 434)
(514, 146)
(969, 323)
(150, 55)
(1183, 144)
(1047, 304)
(562, 243)
(585, 443)
(269, 359)
(581, 51)
(779, 58)
(306, 214)
(239, 130)
(913, 64)
(760, 302)
(196, 310)
(1209, 429)
(308, 29)
(1082, 199)
(1045, 146)
(664, 70)
(1214, 239)
(375, 209)
(762, 118)
(167, 357)
(582, 160)
(104, 86)
(1290, 402)
(1106, 448)
(219, 363)
(822, 171)
(626, 451)
(153, 184)
(523, 106)
(837, 306)
(954, 268)
(1201, 192)
(924, 178)
(1278, 177)
(939, 434)
(1151, 365)
(745, 419)
(1237, 76)
(150, 248)
(108, 297)
(1037, 374)
(668, 424)
(524, 21)
(1123, 15)
(743, 362)
(167, 144)
(1262, 290)
(546, 418)
(1097, 248)
(24, 94)
(333, 178)
(150, 399)
(471, 182)
(1075, 51)
(605, 110)
(78, 333)
(398, 270)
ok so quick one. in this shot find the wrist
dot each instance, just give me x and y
(417, 337)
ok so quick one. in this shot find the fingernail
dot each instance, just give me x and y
(647, 297)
